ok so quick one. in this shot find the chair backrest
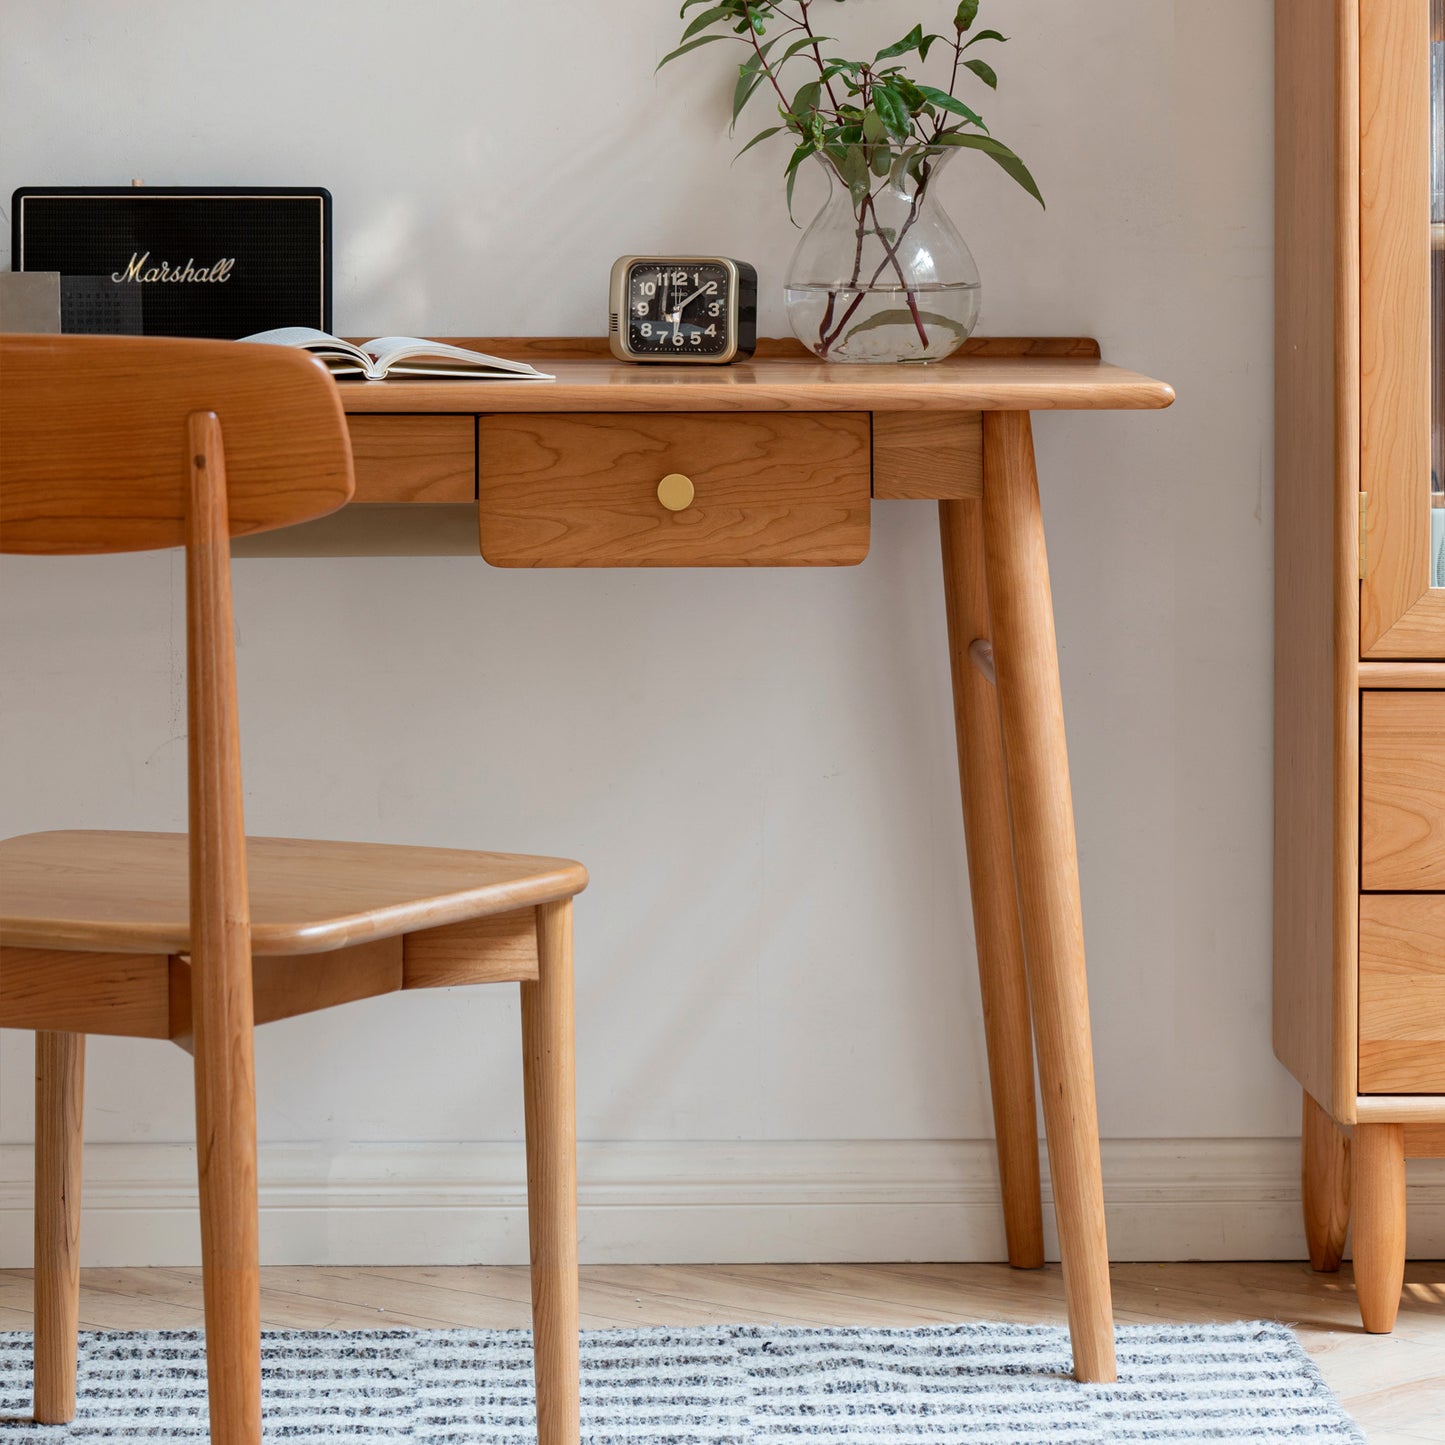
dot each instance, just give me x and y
(115, 444)
(93, 450)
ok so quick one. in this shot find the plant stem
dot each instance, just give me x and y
(890, 257)
(817, 53)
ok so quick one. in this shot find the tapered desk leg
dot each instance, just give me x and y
(1379, 1184)
(59, 1095)
(1046, 864)
(997, 936)
(1324, 1186)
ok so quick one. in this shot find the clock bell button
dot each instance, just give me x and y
(675, 492)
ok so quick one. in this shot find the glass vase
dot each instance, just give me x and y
(881, 273)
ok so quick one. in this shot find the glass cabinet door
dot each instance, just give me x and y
(1402, 327)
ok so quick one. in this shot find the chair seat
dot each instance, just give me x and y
(129, 892)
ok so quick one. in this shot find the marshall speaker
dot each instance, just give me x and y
(219, 261)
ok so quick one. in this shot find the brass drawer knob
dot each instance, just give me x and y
(675, 492)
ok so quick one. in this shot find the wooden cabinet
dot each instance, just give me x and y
(1359, 998)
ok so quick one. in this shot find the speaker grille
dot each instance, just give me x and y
(170, 261)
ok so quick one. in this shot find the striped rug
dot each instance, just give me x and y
(712, 1386)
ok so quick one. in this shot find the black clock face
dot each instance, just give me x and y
(677, 308)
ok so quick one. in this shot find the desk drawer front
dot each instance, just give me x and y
(414, 458)
(1402, 791)
(1402, 993)
(768, 489)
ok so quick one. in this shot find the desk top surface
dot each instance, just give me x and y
(988, 374)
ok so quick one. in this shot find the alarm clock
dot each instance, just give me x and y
(683, 308)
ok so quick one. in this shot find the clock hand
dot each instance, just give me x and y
(684, 304)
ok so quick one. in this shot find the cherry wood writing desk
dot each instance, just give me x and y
(775, 462)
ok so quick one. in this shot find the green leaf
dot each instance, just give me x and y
(749, 78)
(806, 43)
(984, 71)
(854, 171)
(798, 157)
(708, 17)
(873, 127)
(911, 41)
(1000, 154)
(691, 45)
(904, 317)
(985, 35)
(944, 101)
(893, 112)
(806, 100)
(966, 15)
(761, 135)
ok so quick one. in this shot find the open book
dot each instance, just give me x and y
(399, 356)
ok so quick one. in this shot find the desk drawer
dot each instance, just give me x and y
(414, 458)
(767, 489)
(1402, 993)
(1402, 791)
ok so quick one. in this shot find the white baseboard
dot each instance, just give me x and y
(691, 1203)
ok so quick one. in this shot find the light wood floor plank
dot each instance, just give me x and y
(1394, 1385)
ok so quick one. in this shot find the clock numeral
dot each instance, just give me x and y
(647, 288)
(715, 308)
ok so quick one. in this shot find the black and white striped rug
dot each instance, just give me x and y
(712, 1386)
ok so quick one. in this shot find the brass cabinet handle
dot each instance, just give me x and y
(675, 492)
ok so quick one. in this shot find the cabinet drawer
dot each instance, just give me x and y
(583, 490)
(1402, 791)
(414, 458)
(1402, 993)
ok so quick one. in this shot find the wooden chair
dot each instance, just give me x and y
(116, 444)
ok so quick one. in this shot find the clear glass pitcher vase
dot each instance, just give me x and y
(881, 273)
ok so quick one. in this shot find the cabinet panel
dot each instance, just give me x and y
(1402, 993)
(587, 490)
(1402, 791)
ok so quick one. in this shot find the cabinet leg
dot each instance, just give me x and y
(59, 1095)
(1379, 1181)
(998, 938)
(1325, 1186)
(1046, 864)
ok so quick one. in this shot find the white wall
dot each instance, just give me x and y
(756, 766)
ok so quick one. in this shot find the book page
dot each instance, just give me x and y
(422, 366)
(389, 350)
(340, 356)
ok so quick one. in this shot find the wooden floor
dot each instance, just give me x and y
(1395, 1386)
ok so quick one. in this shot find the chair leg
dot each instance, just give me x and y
(230, 1255)
(1379, 1183)
(59, 1109)
(1041, 806)
(999, 942)
(549, 1084)
(1325, 1186)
